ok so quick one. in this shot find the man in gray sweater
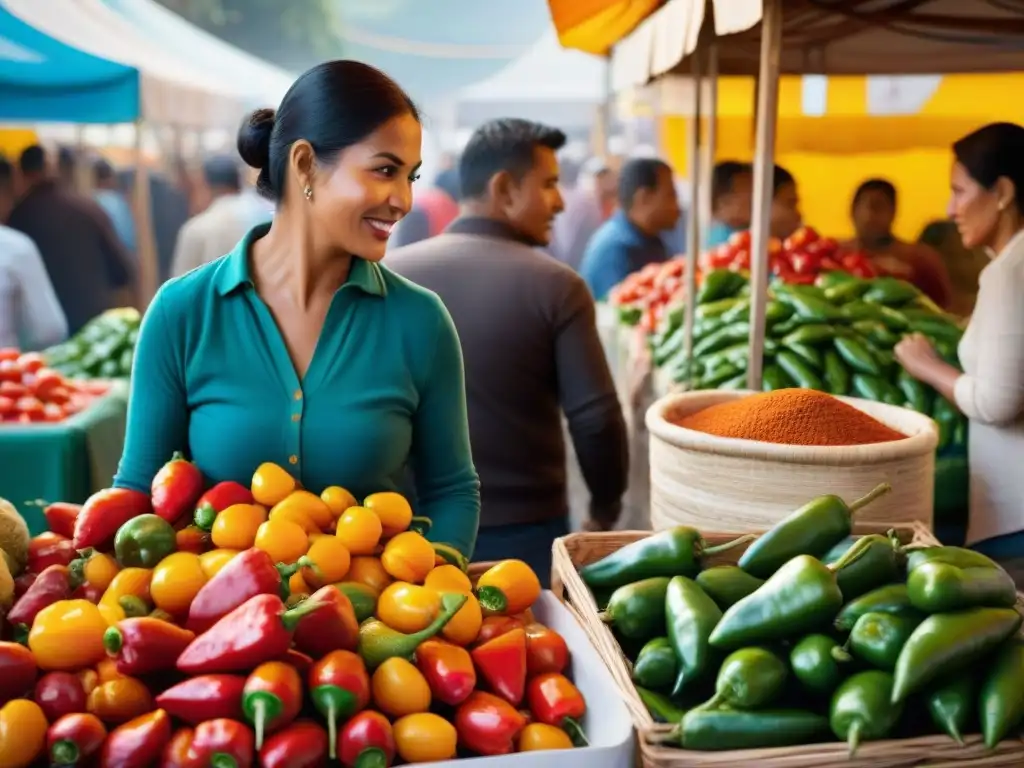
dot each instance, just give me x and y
(530, 343)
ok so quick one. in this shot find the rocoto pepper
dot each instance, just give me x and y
(501, 662)
(137, 743)
(691, 616)
(331, 627)
(141, 646)
(223, 744)
(863, 710)
(60, 518)
(106, 511)
(220, 497)
(366, 741)
(554, 700)
(448, 670)
(750, 678)
(204, 697)
(937, 587)
(340, 687)
(1001, 703)
(17, 671)
(54, 584)
(259, 630)
(246, 575)
(673, 552)
(952, 705)
(487, 724)
(176, 488)
(637, 610)
(817, 661)
(144, 541)
(272, 698)
(75, 739)
(303, 744)
(811, 530)
(48, 549)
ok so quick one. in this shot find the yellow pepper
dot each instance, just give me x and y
(177, 579)
(337, 499)
(408, 557)
(68, 636)
(22, 733)
(408, 608)
(464, 626)
(106, 671)
(100, 569)
(310, 505)
(508, 588)
(425, 738)
(399, 688)
(236, 526)
(326, 562)
(271, 484)
(448, 578)
(369, 572)
(294, 515)
(359, 530)
(130, 582)
(393, 509)
(283, 540)
(216, 559)
(120, 700)
(297, 586)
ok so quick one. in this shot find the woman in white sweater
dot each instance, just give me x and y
(988, 207)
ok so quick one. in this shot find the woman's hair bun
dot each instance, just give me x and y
(254, 138)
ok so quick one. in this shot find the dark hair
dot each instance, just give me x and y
(332, 106)
(6, 174)
(503, 145)
(723, 178)
(448, 182)
(993, 151)
(882, 186)
(33, 159)
(639, 173)
(66, 159)
(780, 178)
(102, 171)
(222, 171)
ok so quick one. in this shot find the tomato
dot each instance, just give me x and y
(31, 362)
(53, 413)
(6, 406)
(13, 389)
(30, 407)
(803, 263)
(10, 371)
(46, 381)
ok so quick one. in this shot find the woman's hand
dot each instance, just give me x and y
(917, 355)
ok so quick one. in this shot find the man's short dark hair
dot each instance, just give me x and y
(33, 159)
(103, 171)
(222, 171)
(6, 174)
(780, 178)
(66, 160)
(503, 145)
(723, 178)
(639, 173)
(882, 186)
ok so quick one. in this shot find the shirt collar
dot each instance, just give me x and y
(233, 272)
(622, 220)
(485, 227)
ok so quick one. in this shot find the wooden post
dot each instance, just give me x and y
(149, 268)
(692, 214)
(707, 163)
(764, 168)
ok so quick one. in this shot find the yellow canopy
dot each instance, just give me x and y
(594, 26)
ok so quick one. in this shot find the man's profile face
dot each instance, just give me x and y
(535, 200)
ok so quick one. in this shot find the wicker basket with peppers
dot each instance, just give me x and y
(267, 625)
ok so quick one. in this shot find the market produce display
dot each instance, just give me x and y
(266, 625)
(815, 635)
(103, 349)
(31, 392)
(834, 336)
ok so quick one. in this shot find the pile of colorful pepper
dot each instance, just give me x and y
(270, 626)
(815, 635)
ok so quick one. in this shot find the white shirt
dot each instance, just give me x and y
(991, 394)
(31, 317)
(212, 233)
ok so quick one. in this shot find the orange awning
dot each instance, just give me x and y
(594, 26)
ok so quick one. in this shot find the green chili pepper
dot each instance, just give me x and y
(889, 599)
(940, 587)
(878, 566)
(891, 291)
(717, 308)
(947, 643)
(668, 348)
(937, 329)
(719, 284)
(749, 678)
(672, 552)
(810, 334)
(809, 307)
(798, 370)
(869, 387)
(773, 377)
(959, 557)
(727, 584)
(856, 355)
(732, 354)
(656, 665)
(662, 708)
(690, 616)
(704, 328)
(739, 381)
(786, 327)
(893, 319)
(877, 333)
(836, 277)
(878, 638)
(918, 396)
(144, 541)
(837, 375)
(728, 729)
(851, 290)
(959, 438)
(808, 354)
(811, 530)
(712, 378)
(817, 662)
(952, 705)
(637, 610)
(740, 311)
(862, 709)
(776, 312)
(722, 338)
(1001, 703)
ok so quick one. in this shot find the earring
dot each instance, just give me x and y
(308, 192)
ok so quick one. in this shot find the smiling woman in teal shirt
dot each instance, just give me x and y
(298, 347)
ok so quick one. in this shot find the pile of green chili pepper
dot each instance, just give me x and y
(835, 336)
(815, 634)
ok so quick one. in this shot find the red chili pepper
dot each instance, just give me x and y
(17, 671)
(206, 697)
(140, 646)
(301, 661)
(219, 498)
(546, 650)
(48, 549)
(60, 518)
(138, 743)
(106, 511)
(302, 744)
(75, 739)
(55, 583)
(23, 582)
(176, 488)
(332, 627)
(502, 664)
(89, 592)
(488, 725)
(340, 687)
(366, 741)
(248, 574)
(448, 670)
(554, 700)
(223, 744)
(59, 694)
(259, 630)
(176, 753)
(272, 698)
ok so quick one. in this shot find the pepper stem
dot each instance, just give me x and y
(307, 562)
(853, 737)
(492, 599)
(259, 720)
(877, 492)
(293, 616)
(605, 617)
(704, 551)
(715, 701)
(332, 729)
(575, 731)
(205, 517)
(840, 654)
(953, 731)
(64, 752)
(371, 757)
(851, 555)
(113, 641)
(222, 760)
(177, 456)
(20, 634)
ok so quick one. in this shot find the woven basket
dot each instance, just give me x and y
(713, 482)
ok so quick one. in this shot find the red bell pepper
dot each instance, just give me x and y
(546, 650)
(366, 741)
(140, 646)
(48, 549)
(331, 627)
(138, 743)
(217, 499)
(302, 744)
(502, 664)
(301, 661)
(59, 694)
(259, 630)
(248, 574)
(448, 669)
(55, 583)
(272, 698)
(176, 488)
(223, 744)
(106, 511)
(206, 697)
(17, 671)
(75, 739)
(340, 687)
(60, 518)
(488, 725)
(494, 626)
(554, 700)
(23, 582)
(176, 753)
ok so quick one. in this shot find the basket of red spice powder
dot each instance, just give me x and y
(739, 461)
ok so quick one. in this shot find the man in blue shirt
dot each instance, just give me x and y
(108, 194)
(630, 239)
(732, 185)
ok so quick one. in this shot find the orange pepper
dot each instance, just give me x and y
(130, 582)
(393, 509)
(118, 701)
(177, 579)
(99, 570)
(283, 540)
(425, 738)
(399, 688)
(369, 572)
(271, 484)
(464, 627)
(448, 578)
(236, 526)
(68, 635)
(297, 586)
(22, 733)
(508, 588)
(408, 557)
(106, 671)
(539, 736)
(215, 559)
(294, 515)
(359, 530)
(89, 678)
(311, 505)
(408, 608)
(192, 539)
(326, 562)
(337, 499)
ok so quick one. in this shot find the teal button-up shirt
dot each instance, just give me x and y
(384, 391)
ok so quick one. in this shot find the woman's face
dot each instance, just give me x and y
(973, 208)
(368, 189)
(785, 215)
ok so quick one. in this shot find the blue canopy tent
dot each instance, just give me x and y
(44, 80)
